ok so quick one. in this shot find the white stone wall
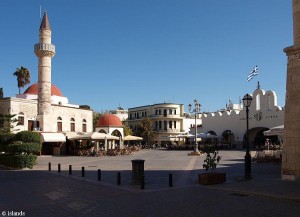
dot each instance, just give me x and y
(268, 115)
(66, 113)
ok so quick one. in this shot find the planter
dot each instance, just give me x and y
(212, 178)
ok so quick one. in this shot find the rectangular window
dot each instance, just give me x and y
(174, 124)
(21, 120)
(59, 126)
(170, 124)
(72, 127)
(83, 127)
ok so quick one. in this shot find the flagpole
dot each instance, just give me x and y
(258, 85)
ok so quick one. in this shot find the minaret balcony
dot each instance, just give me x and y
(42, 50)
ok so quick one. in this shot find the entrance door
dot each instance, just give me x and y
(30, 125)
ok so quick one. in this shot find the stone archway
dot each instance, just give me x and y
(211, 132)
(256, 137)
(228, 138)
(102, 131)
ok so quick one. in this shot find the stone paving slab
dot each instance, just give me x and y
(38, 192)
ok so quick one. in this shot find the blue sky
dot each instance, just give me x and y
(131, 53)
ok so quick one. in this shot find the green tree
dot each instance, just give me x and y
(23, 77)
(145, 129)
(96, 116)
(127, 130)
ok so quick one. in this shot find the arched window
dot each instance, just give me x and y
(83, 125)
(156, 125)
(72, 125)
(174, 124)
(159, 111)
(170, 111)
(165, 112)
(269, 102)
(170, 124)
(59, 124)
(165, 125)
(257, 102)
(159, 124)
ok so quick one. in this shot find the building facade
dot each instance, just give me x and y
(168, 120)
(229, 125)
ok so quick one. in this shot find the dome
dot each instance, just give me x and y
(109, 120)
(33, 89)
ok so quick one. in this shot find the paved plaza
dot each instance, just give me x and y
(38, 192)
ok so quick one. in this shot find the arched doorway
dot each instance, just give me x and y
(256, 137)
(228, 138)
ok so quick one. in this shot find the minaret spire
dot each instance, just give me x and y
(45, 22)
(44, 50)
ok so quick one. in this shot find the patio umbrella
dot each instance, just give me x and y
(94, 136)
(275, 131)
(132, 138)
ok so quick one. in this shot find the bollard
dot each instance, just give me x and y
(119, 178)
(70, 169)
(99, 175)
(59, 168)
(143, 182)
(49, 166)
(82, 172)
(170, 180)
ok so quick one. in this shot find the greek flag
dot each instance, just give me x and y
(253, 73)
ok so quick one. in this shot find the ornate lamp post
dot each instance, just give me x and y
(195, 111)
(247, 99)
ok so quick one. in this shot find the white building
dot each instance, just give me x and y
(121, 113)
(43, 107)
(230, 125)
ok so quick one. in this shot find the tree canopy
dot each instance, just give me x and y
(23, 77)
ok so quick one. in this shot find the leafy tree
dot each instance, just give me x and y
(127, 130)
(145, 129)
(23, 77)
(96, 116)
(1, 92)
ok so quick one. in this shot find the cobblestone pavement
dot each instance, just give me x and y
(39, 192)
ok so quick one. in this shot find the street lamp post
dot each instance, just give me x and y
(247, 99)
(195, 111)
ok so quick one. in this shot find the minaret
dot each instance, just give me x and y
(291, 147)
(44, 50)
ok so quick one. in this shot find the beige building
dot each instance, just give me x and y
(168, 120)
(42, 107)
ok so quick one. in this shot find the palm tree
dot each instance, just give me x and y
(23, 77)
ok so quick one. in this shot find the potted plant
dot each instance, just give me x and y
(210, 164)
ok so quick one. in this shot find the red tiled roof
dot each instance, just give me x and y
(33, 89)
(109, 120)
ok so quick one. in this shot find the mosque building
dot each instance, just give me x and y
(43, 107)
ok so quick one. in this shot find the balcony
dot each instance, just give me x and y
(41, 50)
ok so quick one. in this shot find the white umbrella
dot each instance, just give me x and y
(95, 136)
(132, 138)
(275, 131)
(206, 136)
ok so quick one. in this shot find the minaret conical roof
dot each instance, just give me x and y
(45, 22)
